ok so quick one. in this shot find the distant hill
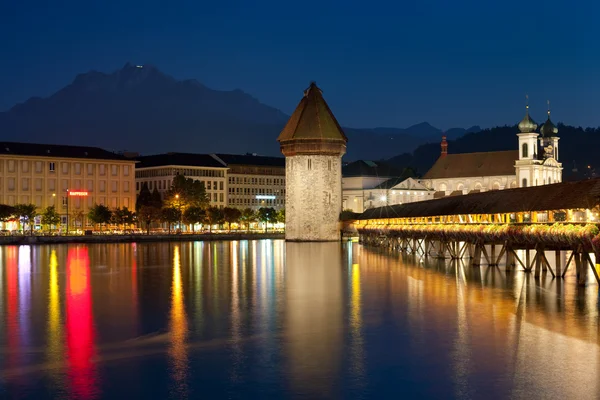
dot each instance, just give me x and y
(139, 108)
(577, 149)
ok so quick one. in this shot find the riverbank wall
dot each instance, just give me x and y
(33, 240)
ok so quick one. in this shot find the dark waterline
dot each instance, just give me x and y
(258, 319)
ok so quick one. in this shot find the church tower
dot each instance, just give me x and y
(313, 144)
(525, 165)
(551, 168)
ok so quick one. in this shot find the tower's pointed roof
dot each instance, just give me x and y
(312, 120)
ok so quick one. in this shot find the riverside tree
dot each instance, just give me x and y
(194, 215)
(148, 206)
(248, 216)
(50, 217)
(186, 192)
(231, 215)
(99, 214)
(214, 216)
(267, 215)
(26, 214)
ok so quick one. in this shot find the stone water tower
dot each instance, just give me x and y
(313, 145)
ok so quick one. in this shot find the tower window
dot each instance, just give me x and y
(524, 182)
(329, 163)
(525, 150)
(309, 164)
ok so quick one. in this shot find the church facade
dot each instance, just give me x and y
(533, 163)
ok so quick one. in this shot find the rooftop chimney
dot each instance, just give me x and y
(444, 146)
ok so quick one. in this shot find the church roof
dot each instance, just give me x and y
(312, 119)
(491, 163)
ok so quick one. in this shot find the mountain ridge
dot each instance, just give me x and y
(139, 108)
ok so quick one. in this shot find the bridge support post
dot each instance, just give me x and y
(538, 261)
(527, 260)
(477, 255)
(557, 262)
(510, 257)
(582, 270)
(493, 254)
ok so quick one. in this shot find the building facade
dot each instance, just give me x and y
(158, 171)
(74, 176)
(239, 181)
(533, 163)
(254, 181)
(369, 184)
(313, 144)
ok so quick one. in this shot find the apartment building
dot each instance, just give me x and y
(241, 181)
(49, 175)
(158, 171)
(254, 181)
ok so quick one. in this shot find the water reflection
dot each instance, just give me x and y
(179, 331)
(266, 319)
(55, 348)
(79, 326)
(314, 315)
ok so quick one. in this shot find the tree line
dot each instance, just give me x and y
(186, 202)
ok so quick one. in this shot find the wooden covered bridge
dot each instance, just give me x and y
(516, 224)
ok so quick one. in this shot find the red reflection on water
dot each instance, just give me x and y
(12, 303)
(79, 326)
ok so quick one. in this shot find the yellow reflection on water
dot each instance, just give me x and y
(355, 320)
(55, 332)
(179, 329)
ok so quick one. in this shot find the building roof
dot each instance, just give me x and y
(312, 120)
(57, 150)
(401, 183)
(180, 159)
(251, 159)
(559, 196)
(491, 163)
(370, 168)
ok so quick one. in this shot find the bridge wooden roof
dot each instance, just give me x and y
(559, 196)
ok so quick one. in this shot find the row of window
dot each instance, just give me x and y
(250, 191)
(188, 172)
(38, 184)
(237, 180)
(65, 167)
(166, 184)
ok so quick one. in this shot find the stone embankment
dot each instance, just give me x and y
(27, 240)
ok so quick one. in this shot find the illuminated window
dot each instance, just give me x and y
(524, 184)
(525, 150)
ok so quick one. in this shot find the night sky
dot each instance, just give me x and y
(396, 63)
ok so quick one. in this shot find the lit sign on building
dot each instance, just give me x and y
(265, 197)
(77, 193)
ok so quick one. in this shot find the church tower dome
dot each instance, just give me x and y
(313, 144)
(527, 125)
(549, 129)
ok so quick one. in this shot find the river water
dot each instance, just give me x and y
(269, 319)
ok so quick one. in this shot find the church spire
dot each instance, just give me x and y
(527, 125)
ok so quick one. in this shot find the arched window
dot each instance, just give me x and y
(496, 186)
(460, 187)
(513, 184)
(524, 182)
(525, 150)
(442, 187)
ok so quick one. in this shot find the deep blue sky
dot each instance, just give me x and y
(394, 63)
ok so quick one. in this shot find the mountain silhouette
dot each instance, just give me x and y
(140, 109)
